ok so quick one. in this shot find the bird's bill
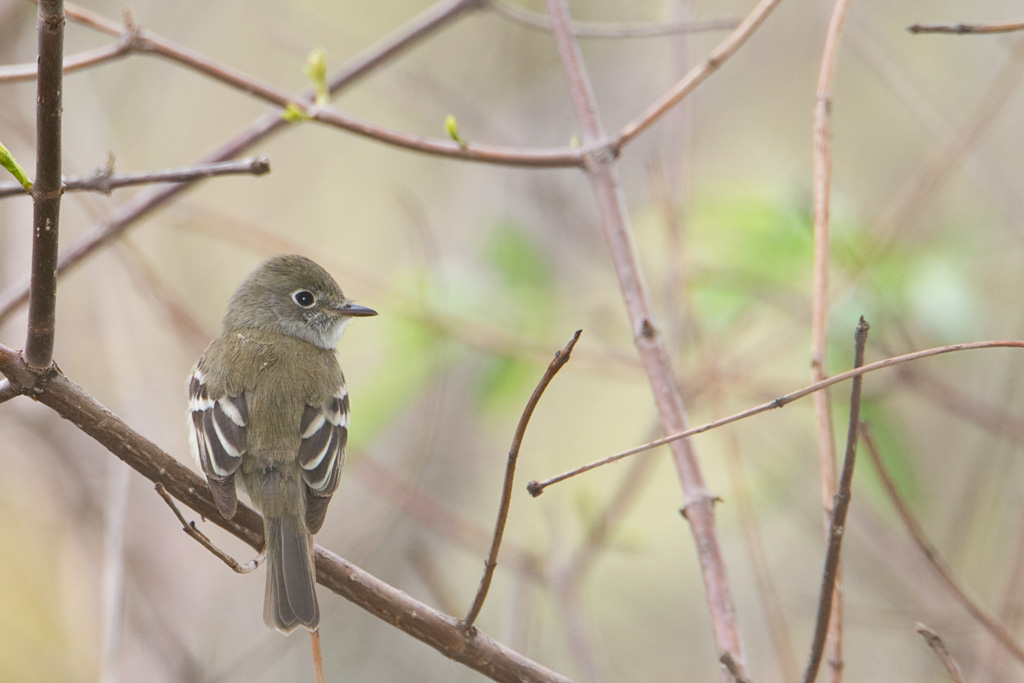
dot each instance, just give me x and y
(356, 311)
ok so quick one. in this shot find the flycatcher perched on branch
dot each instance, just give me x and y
(268, 401)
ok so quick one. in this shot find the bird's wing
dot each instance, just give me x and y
(324, 432)
(217, 434)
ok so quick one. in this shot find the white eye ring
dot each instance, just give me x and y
(304, 298)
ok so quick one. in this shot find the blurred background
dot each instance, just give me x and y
(480, 274)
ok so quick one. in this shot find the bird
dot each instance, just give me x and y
(268, 406)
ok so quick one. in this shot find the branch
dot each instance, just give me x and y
(943, 653)
(537, 487)
(105, 181)
(260, 129)
(840, 506)
(561, 358)
(981, 614)
(202, 539)
(822, 162)
(962, 29)
(42, 305)
(599, 164)
(440, 631)
(591, 29)
(697, 75)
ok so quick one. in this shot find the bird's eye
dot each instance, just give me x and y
(304, 298)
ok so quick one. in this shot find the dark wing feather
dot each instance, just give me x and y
(324, 432)
(217, 434)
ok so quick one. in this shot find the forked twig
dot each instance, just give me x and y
(560, 359)
(204, 540)
(840, 506)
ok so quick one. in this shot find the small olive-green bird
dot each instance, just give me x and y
(268, 402)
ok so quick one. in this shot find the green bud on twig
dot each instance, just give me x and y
(15, 169)
(452, 127)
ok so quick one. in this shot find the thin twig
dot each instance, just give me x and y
(986, 618)
(46, 192)
(591, 29)
(733, 668)
(840, 506)
(822, 162)
(964, 29)
(318, 656)
(204, 540)
(537, 487)
(29, 72)
(104, 179)
(696, 75)
(602, 173)
(560, 359)
(940, 649)
(438, 630)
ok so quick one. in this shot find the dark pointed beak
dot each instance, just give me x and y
(356, 311)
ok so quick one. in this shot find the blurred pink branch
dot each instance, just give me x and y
(822, 159)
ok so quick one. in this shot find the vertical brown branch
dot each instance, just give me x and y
(47, 189)
(840, 506)
(820, 303)
(601, 170)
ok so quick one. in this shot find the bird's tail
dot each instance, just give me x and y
(291, 576)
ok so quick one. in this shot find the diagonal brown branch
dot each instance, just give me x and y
(599, 164)
(560, 359)
(442, 632)
(981, 614)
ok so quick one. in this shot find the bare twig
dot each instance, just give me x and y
(560, 359)
(822, 138)
(440, 631)
(318, 657)
(590, 29)
(962, 29)
(599, 164)
(104, 179)
(696, 76)
(840, 506)
(733, 668)
(537, 487)
(989, 621)
(28, 72)
(940, 649)
(46, 192)
(192, 530)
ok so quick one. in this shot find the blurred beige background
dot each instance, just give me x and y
(480, 273)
